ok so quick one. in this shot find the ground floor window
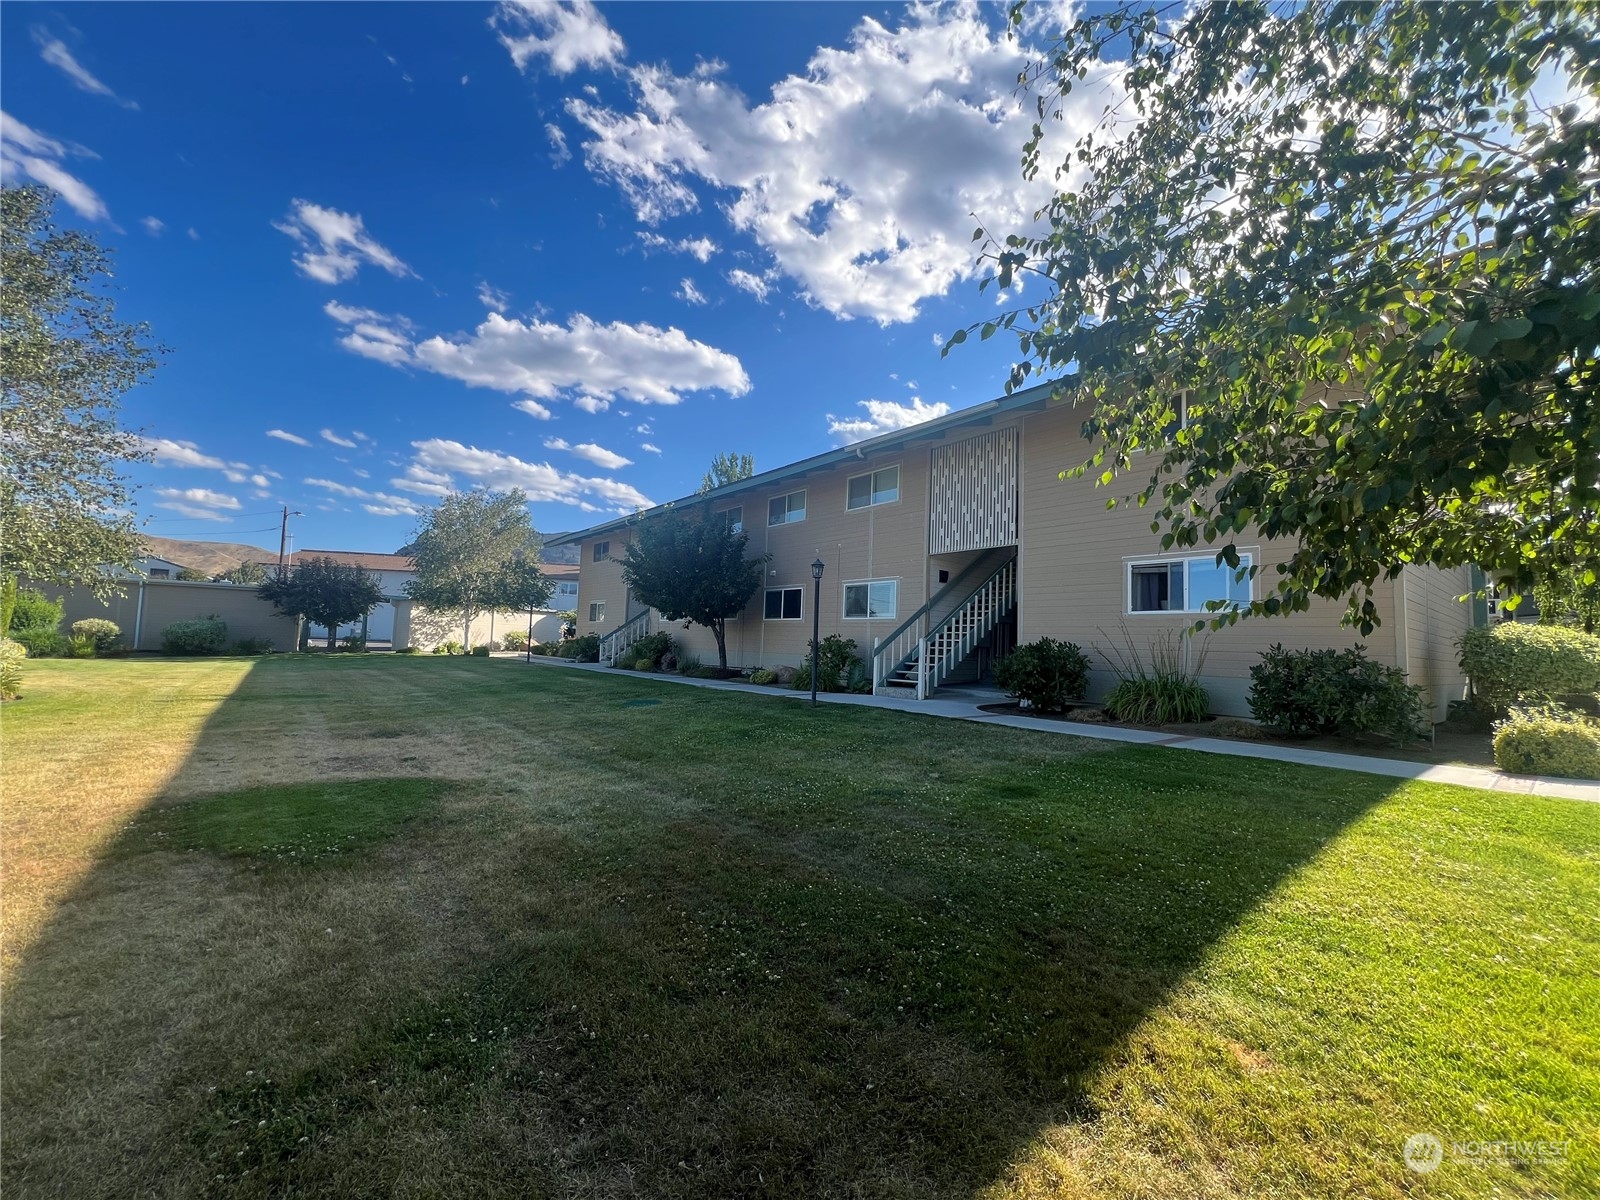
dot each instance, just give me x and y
(783, 603)
(871, 599)
(597, 611)
(1185, 584)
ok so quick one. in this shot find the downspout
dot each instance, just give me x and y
(138, 616)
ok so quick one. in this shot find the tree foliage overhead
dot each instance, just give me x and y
(726, 469)
(1360, 242)
(65, 361)
(478, 551)
(325, 592)
(691, 567)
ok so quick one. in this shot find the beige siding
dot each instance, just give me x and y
(602, 581)
(1073, 571)
(1434, 619)
(166, 601)
(425, 628)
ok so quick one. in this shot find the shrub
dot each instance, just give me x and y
(34, 610)
(688, 663)
(447, 648)
(252, 645)
(12, 656)
(480, 652)
(516, 640)
(763, 676)
(834, 657)
(651, 647)
(103, 633)
(41, 642)
(1548, 741)
(203, 635)
(1512, 664)
(583, 649)
(1048, 674)
(1088, 716)
(80, 646)
(353, 644)
(669, 662)
(1163, 692)
(1334, 691)
(409, 650)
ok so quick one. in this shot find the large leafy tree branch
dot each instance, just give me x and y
(1333, 269)
(691, 566)
(65, 361)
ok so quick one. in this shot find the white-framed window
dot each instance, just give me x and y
(786, 510)
(877, 487)
(1188, 584)
(733, 517)
(597, 611)
(784, 604)
(565, 596)
(601, 551)
(871, 599)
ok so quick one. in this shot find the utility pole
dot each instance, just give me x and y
(283, 536)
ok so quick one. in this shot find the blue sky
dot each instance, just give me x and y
(397, 249)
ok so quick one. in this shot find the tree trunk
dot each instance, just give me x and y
(719, 628)
(466, 630)
(333, 636)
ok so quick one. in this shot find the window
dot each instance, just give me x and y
(870, 601)
(880, 487)
(786, 510)
(565, 596)
(733, 518)
(597, 611)
(783, 604)
(1185, 584)
(160, 573)
(601, 551)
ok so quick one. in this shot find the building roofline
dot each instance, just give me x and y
(1035, 397)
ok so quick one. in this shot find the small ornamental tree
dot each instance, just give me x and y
(244, 573)
(324, 592)
(478, 551)
(691, 568)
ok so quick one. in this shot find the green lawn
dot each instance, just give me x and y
(449, 927)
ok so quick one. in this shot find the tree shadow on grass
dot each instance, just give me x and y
(715, 946)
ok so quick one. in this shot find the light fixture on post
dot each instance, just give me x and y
(817, 568)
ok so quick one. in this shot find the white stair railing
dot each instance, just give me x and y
(619, 639)
(949, 642)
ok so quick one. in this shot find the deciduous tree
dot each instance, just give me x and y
(1327, 273)
(65, 361)
(726, 469)
(324, 592)
(690, 567)
(478, 551)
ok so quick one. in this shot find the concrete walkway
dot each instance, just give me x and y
(964, 707)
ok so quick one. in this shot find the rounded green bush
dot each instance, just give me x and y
(1549, 741)
(42, 642)
(203, 635)
(1512, 664)
(105, 634)
(12, 656)
(1048, 674)
(763, 676)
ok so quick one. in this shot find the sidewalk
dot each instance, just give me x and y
(968, 710)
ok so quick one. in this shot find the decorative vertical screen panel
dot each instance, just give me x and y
(972, 502)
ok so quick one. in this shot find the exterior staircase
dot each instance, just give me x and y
(918, 656)
(619, 639)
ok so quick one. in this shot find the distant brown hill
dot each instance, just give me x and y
(209, 557)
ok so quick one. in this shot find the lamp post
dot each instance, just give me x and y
(816, 623)
(529, 656)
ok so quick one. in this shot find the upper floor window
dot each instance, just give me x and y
(601, 551)
(1185, 584)
(786, 510)
(733, 518)
(880, 487)
(870, 600)
(565, 590)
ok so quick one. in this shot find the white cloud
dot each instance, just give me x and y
(857, 177)
(598, 455)
(651, 449)
(591, 404)
(336, 244)
(55, 52)
(284, 435)
(533, 408)
(884, 416)
(438, 461)
(329, 435)
(194, 234)
(570, 35)
(756, 285)
(542, 359)
(153, 225)
(168, 453)
(701, 248)
(688, 293)
(381, 504)
(492, 297)
(560, 156)
(234, 474)
(198, 502)
(37, 156)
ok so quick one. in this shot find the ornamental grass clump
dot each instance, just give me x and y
(1163, 691)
